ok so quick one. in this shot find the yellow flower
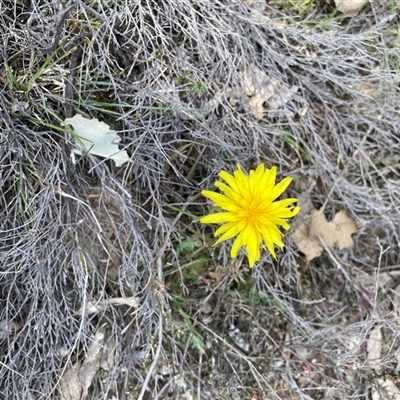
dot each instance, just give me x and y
(252, 213)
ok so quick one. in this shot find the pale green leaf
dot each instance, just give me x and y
(96, 138)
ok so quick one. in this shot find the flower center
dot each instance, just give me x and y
(254, 210)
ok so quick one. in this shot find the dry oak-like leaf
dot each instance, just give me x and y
(336, 233)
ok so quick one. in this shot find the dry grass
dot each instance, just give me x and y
(193, 87)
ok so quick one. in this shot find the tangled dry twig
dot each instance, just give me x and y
(170, 77)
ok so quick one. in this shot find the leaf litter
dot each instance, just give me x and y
(336, 233)
(262, 93)
(79, 377)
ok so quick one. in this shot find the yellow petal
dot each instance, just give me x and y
(226, 227)
(236, 197)
(229, 234)
(219, 218)
(281, 187)
(296, 210)
(215, 197)
(220, 200)
(276, 236)
(242, 181)
(282, 203)
(230, 180)
(268, 179)
(253, 248)
(237, 244)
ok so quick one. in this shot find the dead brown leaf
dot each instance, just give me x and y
(350, 7)
(336, 233)
(77, 379)
(374, 345)
(262, 93)
(91, 364)
(367, 89)
(70, 385)
(383, 388)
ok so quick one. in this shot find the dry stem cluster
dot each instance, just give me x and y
(192, 87)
